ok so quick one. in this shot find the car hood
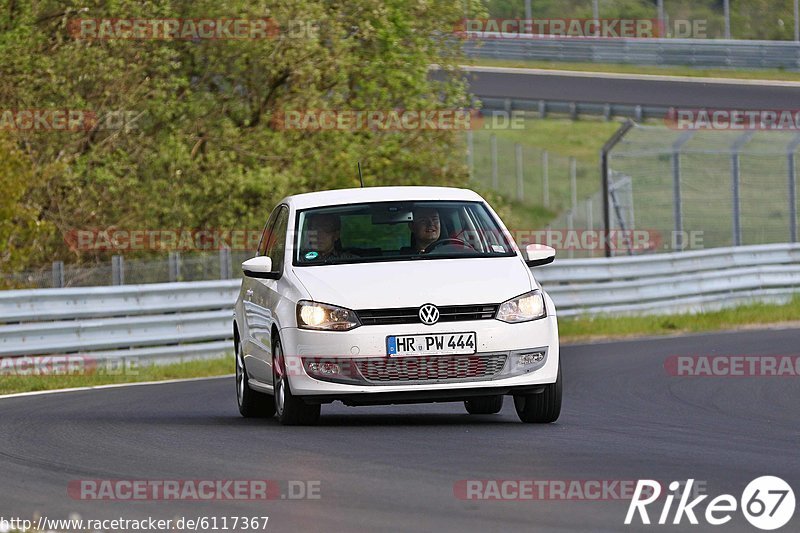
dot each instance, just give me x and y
(413, 283)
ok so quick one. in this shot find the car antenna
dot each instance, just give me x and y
(360, 177)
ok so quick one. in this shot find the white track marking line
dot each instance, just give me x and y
(623, 76)
(110, 386)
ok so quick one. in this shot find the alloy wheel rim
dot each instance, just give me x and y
(279, 381)
(239, 376)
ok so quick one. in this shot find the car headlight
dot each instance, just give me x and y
(523, 308)
(313, 315)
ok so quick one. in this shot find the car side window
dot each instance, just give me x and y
(265, 236)
(276, 243)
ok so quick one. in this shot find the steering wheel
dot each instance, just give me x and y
(450, 240)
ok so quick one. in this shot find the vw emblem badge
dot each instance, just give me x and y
(428, 314)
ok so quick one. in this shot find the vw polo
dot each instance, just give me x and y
(388, 295)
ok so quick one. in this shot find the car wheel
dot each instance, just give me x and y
(541, 408)
(292, 411)
(252, 404)
(486, 405)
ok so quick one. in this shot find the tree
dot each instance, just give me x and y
(202, 150)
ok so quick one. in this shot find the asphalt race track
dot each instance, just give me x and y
(629, 89)
(393, 468)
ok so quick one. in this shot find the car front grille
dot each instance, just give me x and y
(410, 315)
(431, 369)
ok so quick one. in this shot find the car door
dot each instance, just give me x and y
(253, 317)
(265, 297)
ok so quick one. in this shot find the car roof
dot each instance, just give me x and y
(379, 194)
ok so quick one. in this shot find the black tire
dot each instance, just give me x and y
(252, 404)
(542, 408)
(291, 411)
(484, 405)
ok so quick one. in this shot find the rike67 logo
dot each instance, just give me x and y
(767, 503)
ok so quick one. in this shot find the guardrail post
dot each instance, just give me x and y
(735, 193)
(174, 266)
(737, 222)
(570, 229)
(520, 182)
(493, 147)
(117, 270)
(607, 112)
(471, 154)
(573, 111)
(604, 154)
(677, 203)
(792, 178)
(792, 200)
(545, 179)
(637, 113)
(726, 9)
(225, 266)
(542, 109)
(58, 274)
(796, 21)
(573, 183)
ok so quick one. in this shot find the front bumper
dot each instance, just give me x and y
(365, 348)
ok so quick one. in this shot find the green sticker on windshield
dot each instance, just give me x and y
(311, 255)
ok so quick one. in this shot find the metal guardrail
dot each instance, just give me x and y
(175, 321)
(674, 283)
(157, 322)
(638, 113)
(36, 305)
(705, 53)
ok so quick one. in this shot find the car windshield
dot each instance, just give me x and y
(398, 231)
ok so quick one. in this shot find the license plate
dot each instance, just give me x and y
(434, 344)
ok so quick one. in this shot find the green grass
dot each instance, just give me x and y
(10, 383)
(562, 138)
(761, 74)
(606, 327)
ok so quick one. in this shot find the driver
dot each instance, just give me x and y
(425, 228)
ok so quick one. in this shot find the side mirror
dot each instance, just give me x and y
(259, 267)
(539, 254)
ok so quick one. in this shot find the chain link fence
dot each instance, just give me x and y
(198, 266)
(552, 194)
(709, 188)
(669, 190)
(525, 174)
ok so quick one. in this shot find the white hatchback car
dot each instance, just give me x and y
(387, 295)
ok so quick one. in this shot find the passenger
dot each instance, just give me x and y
(322, 234)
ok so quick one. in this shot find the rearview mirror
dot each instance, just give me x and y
(539, 254)
(259, 267)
